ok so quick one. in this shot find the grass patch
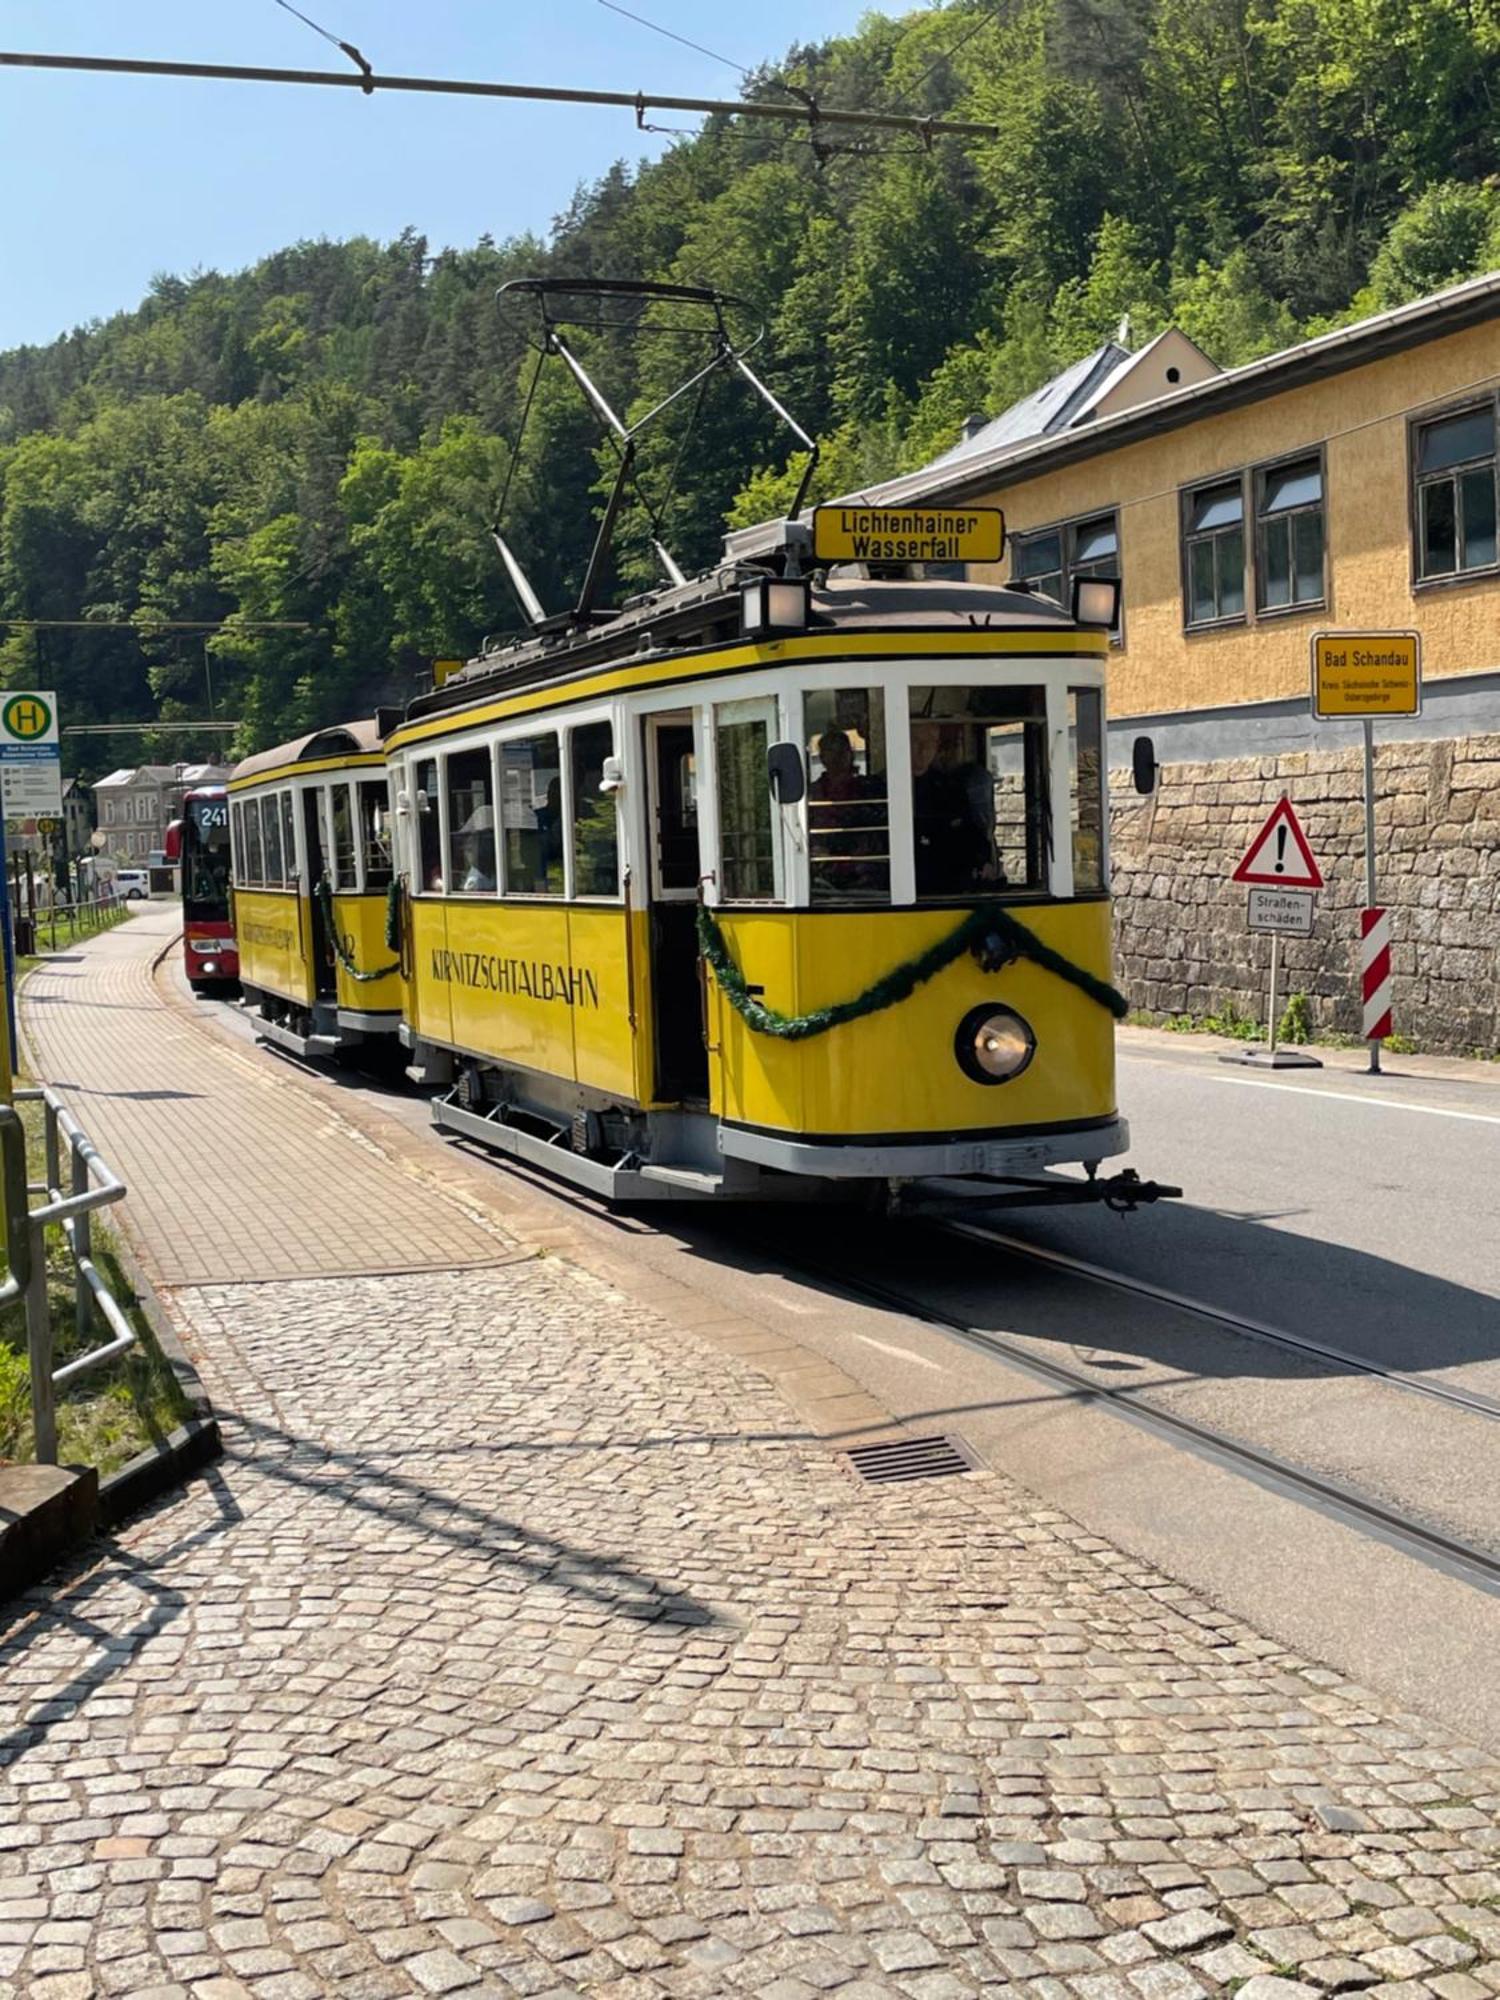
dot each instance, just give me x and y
(109, 1415)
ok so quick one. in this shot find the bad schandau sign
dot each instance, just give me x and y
(908, 534)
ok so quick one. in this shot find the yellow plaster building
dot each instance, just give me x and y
(1347, 482)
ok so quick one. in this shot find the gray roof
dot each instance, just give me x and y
(1050, 408)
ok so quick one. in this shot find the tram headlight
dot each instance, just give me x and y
(993, 1044)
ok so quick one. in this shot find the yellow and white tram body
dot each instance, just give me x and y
(310, 837)
(564, 806)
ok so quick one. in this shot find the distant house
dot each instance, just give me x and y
(135, 807)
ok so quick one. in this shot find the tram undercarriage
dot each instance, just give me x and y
(626, 1154)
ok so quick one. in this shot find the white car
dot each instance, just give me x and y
(132, 884)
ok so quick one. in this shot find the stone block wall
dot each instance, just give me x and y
(1181, 936)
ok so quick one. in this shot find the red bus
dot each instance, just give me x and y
(199, 842)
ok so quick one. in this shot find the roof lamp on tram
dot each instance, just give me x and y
(773, 604)
(1096, 601)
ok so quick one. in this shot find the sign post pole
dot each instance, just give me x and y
(1271, 1023)
(1370, 904)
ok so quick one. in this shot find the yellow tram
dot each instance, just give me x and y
(791, 878)
(695, 909)
(313, 882)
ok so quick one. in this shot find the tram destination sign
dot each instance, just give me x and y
(1366, 674)
(1289, 912)
(908, 534)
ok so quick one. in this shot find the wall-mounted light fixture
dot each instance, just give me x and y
(774, 604)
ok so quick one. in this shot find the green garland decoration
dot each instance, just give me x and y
(325, 899)
(990, 931)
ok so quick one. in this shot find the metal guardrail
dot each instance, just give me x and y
(93, 1184)
(86, 915)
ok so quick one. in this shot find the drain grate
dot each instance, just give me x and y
(911, 1458)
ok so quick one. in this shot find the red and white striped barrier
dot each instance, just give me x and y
(1375, 972)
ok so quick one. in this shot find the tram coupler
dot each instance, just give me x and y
(1123, 1192)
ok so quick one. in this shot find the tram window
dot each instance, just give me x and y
(531, 816)
(375, 833)
(237, 840)
(288, 837)
(425, 803)
(596, 850)
(747, 854)
(344, 876)
(270, 821)
(253, 872)
(980, 805)
(1086, 786)
(471, 823)
(848, 800)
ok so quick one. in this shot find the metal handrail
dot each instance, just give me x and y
(26, 1235)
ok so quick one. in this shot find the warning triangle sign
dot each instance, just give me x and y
(1279, 855)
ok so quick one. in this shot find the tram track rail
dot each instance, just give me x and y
(1406, 1532)
(1474, 1401)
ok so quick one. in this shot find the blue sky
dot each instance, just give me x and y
(108, 180)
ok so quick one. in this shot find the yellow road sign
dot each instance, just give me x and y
(441, 669)
(1366, 674)
(908, 534)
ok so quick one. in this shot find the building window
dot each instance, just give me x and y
(1052, 559)
(1037, 560)
(1290, 535)
(1455, 474)
(1214, 552)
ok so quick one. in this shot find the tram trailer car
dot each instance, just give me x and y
(310, 833)
(694, 906)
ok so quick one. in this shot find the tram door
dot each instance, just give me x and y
(677, 994)
(325, 985)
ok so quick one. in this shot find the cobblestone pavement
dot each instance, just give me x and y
(524, 1644)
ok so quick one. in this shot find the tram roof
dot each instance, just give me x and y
(342, 739)
(706, 612)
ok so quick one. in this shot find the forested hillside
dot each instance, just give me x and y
(323, 438)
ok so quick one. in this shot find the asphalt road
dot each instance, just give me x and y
(1365, 1210)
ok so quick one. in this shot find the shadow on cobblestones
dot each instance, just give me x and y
(623, 1591)
(59, 1604)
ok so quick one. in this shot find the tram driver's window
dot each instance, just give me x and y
(531, 816)
(596, 858)
(288, 838)
(471, 823)
(425, 805)
(343, 839)
(253, 870)
(271, 841)
(1086, 787)
(848, 798)
(747, 855)
(375, 833)
(980, 809)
